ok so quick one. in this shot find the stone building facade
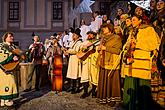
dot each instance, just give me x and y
(44, 17)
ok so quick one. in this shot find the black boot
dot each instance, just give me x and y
(85, 88)
(71, 86)
(27, 90)
(94, 91)
(73, 91)
(76, 86)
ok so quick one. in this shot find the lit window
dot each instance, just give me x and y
(57, 10)
(13, 11)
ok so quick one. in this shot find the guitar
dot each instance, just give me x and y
(11, 65)
(83, 54)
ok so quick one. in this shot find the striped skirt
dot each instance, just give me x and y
(109, 89)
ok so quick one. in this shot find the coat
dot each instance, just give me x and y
(73, 65)
(147, 40)
(8, 87)
(89, 71)
(110, 58)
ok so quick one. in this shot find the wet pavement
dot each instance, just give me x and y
(45, 99)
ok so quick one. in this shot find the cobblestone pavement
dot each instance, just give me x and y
(48, 100)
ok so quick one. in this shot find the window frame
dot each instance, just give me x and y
(15, 10)
(58, 10)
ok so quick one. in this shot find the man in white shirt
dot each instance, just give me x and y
(98, 20)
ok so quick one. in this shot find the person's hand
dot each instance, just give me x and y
(103, 47)
(133, 40)
(15, 58)
(84, 48)
(155, 52)
(32, 49)
(63, 49)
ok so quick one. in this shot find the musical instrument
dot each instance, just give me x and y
(83, 54)
(130, 48)
(65, 51)
(11, 65)
(101, 52)
(56, 77)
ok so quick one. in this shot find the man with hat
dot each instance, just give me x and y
(73, 66)
(89, 72)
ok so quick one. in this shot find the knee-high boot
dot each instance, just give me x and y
(71, 88)
(94, 90)
(76, 86)
(85, 88)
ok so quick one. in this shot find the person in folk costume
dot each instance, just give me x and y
(109, 90)
(119, 30)
(97, 22)
(84, 29)
(153, 11)
(65, 39)
(70, 34)
(54, 56)
(73, 72)
(116, 21)
(125, 36)
(130, 8)
(123, 18)
(60, 38)
(8, 88)
(156, 79)
(46, 44)
(36, 55)
(89, 72)
(65, 58)
(126, 30)
(159, 26)
(137, 65)
(92, 26)
(141, 12)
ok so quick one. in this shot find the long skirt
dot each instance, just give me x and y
(56, 77)
(8, 88)
(156, 80)
(137, 94)
(109, 86)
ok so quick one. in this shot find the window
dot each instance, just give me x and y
(57, 10)
(13, 10)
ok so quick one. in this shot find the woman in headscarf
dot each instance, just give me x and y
(141, 42)
(109, 90)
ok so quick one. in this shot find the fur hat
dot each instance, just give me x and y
(77, 31)
(91, 32)
(55, 34)
(89, 37)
